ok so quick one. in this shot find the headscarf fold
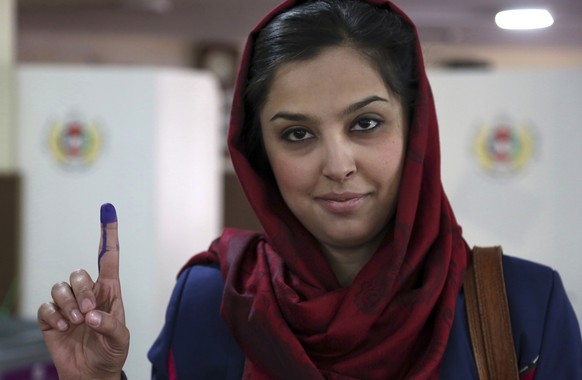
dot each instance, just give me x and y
(282, 302)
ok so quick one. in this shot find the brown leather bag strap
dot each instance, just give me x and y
(488, 316)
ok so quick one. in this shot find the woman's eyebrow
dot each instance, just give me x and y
(292, 116)
(362, 103)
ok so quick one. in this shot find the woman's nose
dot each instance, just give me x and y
(339, 162)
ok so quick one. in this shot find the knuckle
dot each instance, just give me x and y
(59, 287)
(81, 282)
(43, 308)
(46, 310)
(79, 272)
(78, 276)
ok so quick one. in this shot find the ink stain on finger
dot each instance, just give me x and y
(108, 213)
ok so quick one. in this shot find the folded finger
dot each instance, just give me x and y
(64, 299)
(50, 318)
(82, 286)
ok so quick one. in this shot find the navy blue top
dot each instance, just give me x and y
(545, 330)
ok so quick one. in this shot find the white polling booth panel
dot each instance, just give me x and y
(146, 140)
(511, 162)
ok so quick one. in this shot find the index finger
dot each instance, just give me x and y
(108, 260)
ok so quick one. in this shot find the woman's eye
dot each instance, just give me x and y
(297, 134)
(366, 124)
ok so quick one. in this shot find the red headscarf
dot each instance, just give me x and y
(282, 301)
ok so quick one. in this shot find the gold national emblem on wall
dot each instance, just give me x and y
(75, 143)
(504, 149)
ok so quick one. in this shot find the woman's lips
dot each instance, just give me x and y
(342, 203)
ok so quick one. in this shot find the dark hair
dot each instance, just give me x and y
(302, 32)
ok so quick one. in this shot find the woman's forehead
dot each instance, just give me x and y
(335, 73)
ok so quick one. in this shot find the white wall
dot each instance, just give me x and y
(534, 212)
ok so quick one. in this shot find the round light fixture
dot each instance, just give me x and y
(522, 19)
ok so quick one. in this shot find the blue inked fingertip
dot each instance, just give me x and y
(108, 214)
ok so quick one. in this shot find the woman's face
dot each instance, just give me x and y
(335, 138)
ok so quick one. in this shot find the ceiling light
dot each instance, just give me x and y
(524, 19)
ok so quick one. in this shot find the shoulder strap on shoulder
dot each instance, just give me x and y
(488, 316)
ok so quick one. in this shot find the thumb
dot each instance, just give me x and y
(111, 328)
(108, 260)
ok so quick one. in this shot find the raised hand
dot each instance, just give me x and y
(84, 325)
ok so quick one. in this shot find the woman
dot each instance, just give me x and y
(359, 272)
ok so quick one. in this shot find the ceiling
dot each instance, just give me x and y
(463, 28)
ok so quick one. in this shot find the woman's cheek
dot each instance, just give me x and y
(293, 172)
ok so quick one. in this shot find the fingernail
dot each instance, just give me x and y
(76, 316)
(108, 214)
(62, 325)
(94, 319)
(87, 305)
